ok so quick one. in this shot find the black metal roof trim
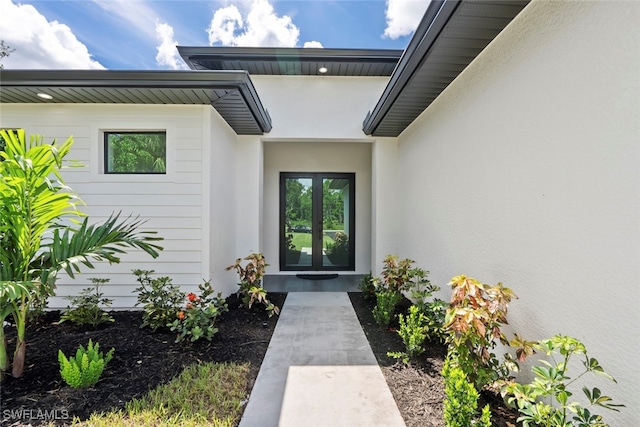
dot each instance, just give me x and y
(292, 61)
(450, 36)
(143, 87)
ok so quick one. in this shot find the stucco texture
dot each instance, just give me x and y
(525, 171)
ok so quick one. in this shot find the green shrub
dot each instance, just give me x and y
(461, 399)
(251, 289)
(413, 333)
(473, 321)
(396, 274)
(85, 368)
(384, 310)
(161, 301)
(545, 401)
(85, 307)
(434, 313)
(197, 319)
(421, 292)
(338, 251)
(367, 287)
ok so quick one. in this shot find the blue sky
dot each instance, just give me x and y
(142, 34)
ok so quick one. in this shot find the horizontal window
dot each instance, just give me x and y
(135, 152)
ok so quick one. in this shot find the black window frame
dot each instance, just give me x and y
(105, 149)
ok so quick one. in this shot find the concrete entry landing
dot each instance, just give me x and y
(319, 370)
(291, 283)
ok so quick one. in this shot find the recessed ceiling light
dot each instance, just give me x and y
(323, 70)
(45, 96)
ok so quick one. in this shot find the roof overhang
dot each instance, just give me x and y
(293, 61)
(450, 36)
(231, 93)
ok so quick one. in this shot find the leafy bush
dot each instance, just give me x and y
(161, 301)
(384, 310)
(251, 289)
(85, 308)
(545, 401)
(338, 251)
(367, 286)
(197, 319)
(397, 275)
(461, 399)
(85, 369)
(434, 313)
(434, 310)
(36, 239)
(472, 324)
(413, 333)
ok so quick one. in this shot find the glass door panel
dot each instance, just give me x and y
(317, 215)
(335, 222)
(298, 215)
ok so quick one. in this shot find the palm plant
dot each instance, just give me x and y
(42, 232)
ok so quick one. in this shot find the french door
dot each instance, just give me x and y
(317, 221)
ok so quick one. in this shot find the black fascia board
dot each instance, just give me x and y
(260, 114)
(260, 54)
(434, 20)
(155, 79)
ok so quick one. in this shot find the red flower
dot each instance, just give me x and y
(181, 315)
(191, 296)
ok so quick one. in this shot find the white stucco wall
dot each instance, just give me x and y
(384, 201)
(176, 205)
(525, 171)
(219, 205)
(317, 157)
(309, 115)
(328, 107)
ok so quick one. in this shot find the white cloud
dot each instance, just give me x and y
(135, 15)
(403, 17)
(256, 25)
(313, 44)
(167, 52)
(39, 43)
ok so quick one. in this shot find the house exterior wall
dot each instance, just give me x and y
(317, 126)
(525, 171)
(317, 157)
(176, 205)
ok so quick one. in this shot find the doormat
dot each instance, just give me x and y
(316, 276)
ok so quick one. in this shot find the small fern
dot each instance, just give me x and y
(85, 368)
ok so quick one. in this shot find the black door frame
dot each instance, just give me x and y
(317, 220)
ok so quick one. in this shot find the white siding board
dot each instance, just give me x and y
(171, 204)
(128, 200)
(137, 188)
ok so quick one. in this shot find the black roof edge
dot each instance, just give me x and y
(282, 53)
(250, 96)
(435, 18)
(154, 79)
(119, 78)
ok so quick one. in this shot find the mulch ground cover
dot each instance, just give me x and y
(418, 388)
(145, 359)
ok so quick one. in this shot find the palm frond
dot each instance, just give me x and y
(73, 248)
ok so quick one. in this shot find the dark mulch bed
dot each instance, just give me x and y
(418, 389)
(143, 359)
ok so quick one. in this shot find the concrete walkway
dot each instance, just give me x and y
(319, 370)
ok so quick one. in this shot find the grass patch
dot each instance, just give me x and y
(208, 394)
(303, 240)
